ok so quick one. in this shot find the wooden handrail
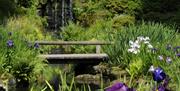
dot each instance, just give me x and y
(73, 43)
(97, 43)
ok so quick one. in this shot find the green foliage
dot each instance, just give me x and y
(15, 7)
(160, 5)
(122, 20)
(123, 6)
(20, 60)
(159, 34)
(87, 12)
(137, 65)
(160, 11)
(30, 27)
(7, 8)
(27, 3)
(98, 32)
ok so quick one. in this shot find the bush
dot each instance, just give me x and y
(98, 32)
(31, 27)
(123, 6)
(7, 9)
(19, 57)
(123, 20)
(87, 12)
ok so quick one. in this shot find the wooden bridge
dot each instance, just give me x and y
(75, 58)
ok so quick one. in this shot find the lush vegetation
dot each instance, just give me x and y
(144, 54)
(162, 41)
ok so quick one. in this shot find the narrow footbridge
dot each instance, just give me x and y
(75, 58)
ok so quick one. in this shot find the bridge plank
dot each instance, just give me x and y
(74, 56)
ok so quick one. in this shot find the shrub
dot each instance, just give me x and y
(123, 6)
(100, 31)
(87, 12)
(30, 27)
(18, 57)
(123, 20)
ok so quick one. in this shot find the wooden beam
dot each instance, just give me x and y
(72, 43)
(74, 56)
(98, 49)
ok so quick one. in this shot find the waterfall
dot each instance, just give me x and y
(62, 12)
(69, 2)
(57, 13)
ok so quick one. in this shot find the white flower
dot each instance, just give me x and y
(130, 50)
(151, 69)
(131, 42)
(137, 41)
(150, 46)
(136, 51)
(146, 42)
(160, 57)
(140, 38)
(146, 39)
(133, 50)
(135, 45)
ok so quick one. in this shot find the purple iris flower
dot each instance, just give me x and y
(166, 82)
(119, 87)
(161, 88)
(178, 54)
(176, 48)
(36, 45)
(159, 75)
(116, 86)
(164, 86)
(10, 43)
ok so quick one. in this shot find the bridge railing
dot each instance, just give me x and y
(77, 58)
(96, 43)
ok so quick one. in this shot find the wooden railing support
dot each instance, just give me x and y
(98, 49)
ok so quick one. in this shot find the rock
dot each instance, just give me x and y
(116, 71)
(102, 68)
(11, 82)
(88, 79)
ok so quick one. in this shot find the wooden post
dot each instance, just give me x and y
(67, 48)
(98, 49)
